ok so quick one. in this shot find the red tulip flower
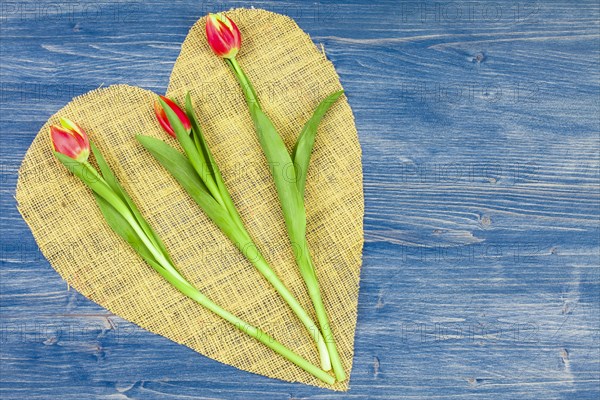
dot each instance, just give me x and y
(164, 121)
(69, 139)
(223, 35)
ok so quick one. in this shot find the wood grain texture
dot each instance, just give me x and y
(480, 129)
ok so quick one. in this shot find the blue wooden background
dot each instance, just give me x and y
(480, 129)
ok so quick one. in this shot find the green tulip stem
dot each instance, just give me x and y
(302, 315)
(257, 334)
(293, 209)
(310, 277)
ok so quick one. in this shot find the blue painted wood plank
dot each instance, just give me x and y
(480, 128)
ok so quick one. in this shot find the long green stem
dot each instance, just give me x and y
(243, 242)
(265, 270)
(244, 82)
(303, 259)
(263, 267)
(314, 292)
(252, 331)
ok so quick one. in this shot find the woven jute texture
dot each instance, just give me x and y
(291, 76)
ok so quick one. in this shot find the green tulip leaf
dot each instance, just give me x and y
(199, 139)
(122, 228)
(304, 145)
(182, 170)
(283, 172)
(90, 177)
(111, 180)
(214, 168)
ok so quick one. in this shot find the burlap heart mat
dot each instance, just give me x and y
(291, 77)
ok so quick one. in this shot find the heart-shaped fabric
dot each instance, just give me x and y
(291, 76)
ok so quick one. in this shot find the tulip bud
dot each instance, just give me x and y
(164, 121)
(223, 35)
(70, 140)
